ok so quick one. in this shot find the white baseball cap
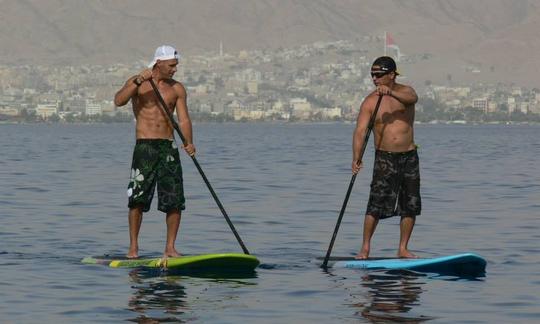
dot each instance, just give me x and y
(164, 52)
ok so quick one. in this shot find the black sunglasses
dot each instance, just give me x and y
(378, 74)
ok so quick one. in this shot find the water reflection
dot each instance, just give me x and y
(160, 296)
(157, 294)
(391, 296)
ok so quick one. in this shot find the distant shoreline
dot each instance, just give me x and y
(436, 122)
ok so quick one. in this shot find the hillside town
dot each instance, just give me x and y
(323, 81)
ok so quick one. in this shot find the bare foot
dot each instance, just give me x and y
(363, 254)
(132, 254)
(405, 254)
(171, 253)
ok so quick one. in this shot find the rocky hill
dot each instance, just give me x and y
(461, 40)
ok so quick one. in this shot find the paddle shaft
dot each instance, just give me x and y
(216, 199)
(351, 183)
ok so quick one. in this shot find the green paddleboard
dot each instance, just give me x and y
(222, 262)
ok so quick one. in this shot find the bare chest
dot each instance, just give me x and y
(147, 98)
(392, 111)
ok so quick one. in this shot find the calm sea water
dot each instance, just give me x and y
(63, 197)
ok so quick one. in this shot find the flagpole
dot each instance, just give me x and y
(385, 37)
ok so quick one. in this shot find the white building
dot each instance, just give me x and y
(301, 108)
(92, 108)
(524, 107)
(252, 87)
(248, 75)
(480, 104)
(535, 109)
(492, 106)
(46, 110)
(331, 112)
(300, 104)
(8, 111)
(278, 106)
(511, 104)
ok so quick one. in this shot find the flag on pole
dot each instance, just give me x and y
(389, 40)
(389, 43)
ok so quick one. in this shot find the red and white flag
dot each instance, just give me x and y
(390, 41)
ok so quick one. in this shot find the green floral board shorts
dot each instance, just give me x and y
(156, 161)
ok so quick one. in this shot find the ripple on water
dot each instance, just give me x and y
(283, 192)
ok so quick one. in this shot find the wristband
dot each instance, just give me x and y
(137, 81)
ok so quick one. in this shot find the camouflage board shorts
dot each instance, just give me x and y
(395, 188)
(156, 161)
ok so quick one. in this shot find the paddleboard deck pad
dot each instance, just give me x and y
(224, 262)
(458, 264)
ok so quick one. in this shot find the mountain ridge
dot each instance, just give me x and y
(483, 33)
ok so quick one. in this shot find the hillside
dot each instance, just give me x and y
(496, 37)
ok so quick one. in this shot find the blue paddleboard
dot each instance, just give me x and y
(458, 264)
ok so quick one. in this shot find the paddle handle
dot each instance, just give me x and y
(197, 165)
(351, 183)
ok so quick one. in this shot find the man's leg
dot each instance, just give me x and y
(135, 216)
(406, 227)
(370, 223)
(173, 224)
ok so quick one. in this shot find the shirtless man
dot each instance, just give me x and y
(395, 188)
(155, 156)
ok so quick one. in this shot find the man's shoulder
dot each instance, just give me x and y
(371, 98)
(175, 83)
(177, 86)
(172, 82)
(403, 86)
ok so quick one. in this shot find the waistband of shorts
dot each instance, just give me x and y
(396, 153)
(153, 140)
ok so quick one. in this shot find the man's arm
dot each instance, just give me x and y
(184, 120)
(366, 109)
(130, 87)
(126, 92)
(404, 94)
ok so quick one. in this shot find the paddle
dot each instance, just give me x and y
(177, 128)
(366, 138)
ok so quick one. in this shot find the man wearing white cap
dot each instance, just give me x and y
(155, 156)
